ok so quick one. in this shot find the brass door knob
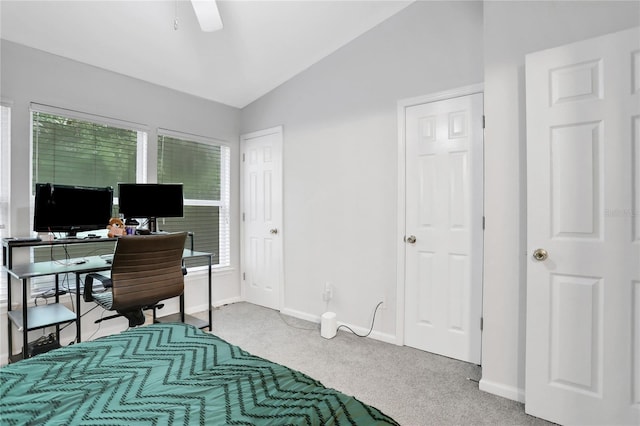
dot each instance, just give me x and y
(411, 239)
(273, 231)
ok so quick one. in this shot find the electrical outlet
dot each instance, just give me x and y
(327, 295)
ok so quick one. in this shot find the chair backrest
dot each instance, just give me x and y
(147, 269)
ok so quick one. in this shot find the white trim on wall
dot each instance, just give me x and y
(510, 392)
(401, 201)
(85, 116)
(5, 185)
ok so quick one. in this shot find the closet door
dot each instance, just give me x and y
(444, 235)
(262, 262)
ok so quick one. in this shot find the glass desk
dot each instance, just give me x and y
(54, 314)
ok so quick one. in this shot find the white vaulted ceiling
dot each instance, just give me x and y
(262, 44)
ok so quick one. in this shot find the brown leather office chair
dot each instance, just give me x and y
(145, 270)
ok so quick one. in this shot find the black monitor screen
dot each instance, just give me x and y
(68, 208)
(150, 200)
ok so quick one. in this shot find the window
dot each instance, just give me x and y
(68, 150)
(81, 149)
(73, 148)
(5, 163)
(202, 165)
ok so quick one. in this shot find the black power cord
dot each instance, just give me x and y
(361, 335)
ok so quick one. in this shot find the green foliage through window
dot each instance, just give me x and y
(200, 167)
(74, 152)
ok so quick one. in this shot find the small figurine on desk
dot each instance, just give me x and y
(116, 228)
(131, 226)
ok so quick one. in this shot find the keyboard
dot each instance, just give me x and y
(23, 239)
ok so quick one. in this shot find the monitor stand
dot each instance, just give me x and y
(153, 224)
(153, 227)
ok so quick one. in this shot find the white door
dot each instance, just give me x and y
(444, 220)
(262, 262)
(583, 207)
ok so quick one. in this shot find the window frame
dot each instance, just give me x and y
(224, 203)
(145, 161)
(5, 186)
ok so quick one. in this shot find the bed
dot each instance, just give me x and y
(169, 374)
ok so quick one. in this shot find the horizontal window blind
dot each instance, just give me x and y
(203, 222)
(202, 166)
(75, 152)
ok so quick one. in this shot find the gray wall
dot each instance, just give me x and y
(30, 75)
(340, 155)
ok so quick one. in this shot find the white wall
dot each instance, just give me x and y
(340, 155)
(29, 75)
(511, 30)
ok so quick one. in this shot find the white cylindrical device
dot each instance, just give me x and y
(328, 325)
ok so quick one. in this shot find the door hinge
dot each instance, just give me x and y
(484, 122)
(244, 276)
(243, 216)
(484, 221)
(481, 323)
(243, 157)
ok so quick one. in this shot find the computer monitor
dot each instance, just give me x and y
(150, 201)
(71, 209)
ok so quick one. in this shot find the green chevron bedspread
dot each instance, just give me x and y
(169, 374)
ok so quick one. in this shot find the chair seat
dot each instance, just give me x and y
(104, 299)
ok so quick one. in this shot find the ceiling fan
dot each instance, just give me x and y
(208, 15)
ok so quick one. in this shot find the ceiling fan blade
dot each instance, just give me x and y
(208, 15)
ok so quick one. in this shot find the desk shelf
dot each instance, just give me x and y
(53, 314)
(26, 318)
(42, 316)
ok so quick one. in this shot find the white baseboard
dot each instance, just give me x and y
(195, 309)
(509, 392)
(203, 307)
(376, 335)
(223, 302)
(384, 337)
(300, 315)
